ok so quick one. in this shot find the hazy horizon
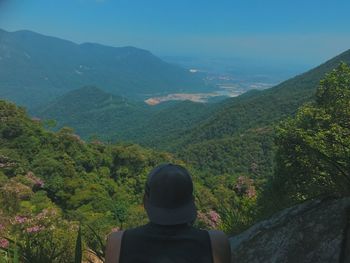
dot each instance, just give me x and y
(300, 33)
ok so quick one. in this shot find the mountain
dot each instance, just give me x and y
(168, 123)
(238, 136)
(231, 136)
(54, 181)
(92, 111)
(260, 108)
(210, 135)
(37, 68)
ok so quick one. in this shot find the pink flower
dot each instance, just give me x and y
(210, 219)
(20, 219)
(215, 217)
(4, 243)
(34, 229)
(245, 186)
(251, 192)
(2, 227)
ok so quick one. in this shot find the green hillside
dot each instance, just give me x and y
(228, 136)
(51, 182)
(261, 108)
(36, 69)
(95, 113)
(54, 181)
(167, 124)
(250, 153)
(231, 137)
(92, 111)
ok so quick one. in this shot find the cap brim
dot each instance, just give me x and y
(175, 216)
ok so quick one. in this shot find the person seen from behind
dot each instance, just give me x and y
(170, 236)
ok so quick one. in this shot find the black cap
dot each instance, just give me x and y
(169, 195)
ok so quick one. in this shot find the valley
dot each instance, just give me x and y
(194, 97)
(77, 142)
(224, 83)
(223, 87)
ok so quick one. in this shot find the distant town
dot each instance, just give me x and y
(225, 85)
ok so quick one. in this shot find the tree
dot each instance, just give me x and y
(313, 155)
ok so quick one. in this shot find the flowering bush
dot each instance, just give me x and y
(4, 243)
(41, 238)
(245, 186)
(211, 219)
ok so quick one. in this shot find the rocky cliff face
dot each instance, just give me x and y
(315, 231)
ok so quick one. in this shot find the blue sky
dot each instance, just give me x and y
(303, 31)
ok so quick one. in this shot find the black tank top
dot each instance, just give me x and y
(153, 243)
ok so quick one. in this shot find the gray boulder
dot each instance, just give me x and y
(313, 232)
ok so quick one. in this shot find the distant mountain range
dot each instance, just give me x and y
(234, 135)
(35, 69)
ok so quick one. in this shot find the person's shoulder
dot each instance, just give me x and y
(221, 248)
(113, 246)
(218, 234)
(219, 237)
(116, 235)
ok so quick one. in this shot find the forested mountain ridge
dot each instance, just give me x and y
(167, 124)
(235, 135)
(38, 68)
(261, 108)
(252, 110)
(217, 143)
(93, 112)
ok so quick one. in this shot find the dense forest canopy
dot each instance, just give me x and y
(54, 181)
(57, 180)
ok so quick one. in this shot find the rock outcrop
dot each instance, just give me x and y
(315, 231)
